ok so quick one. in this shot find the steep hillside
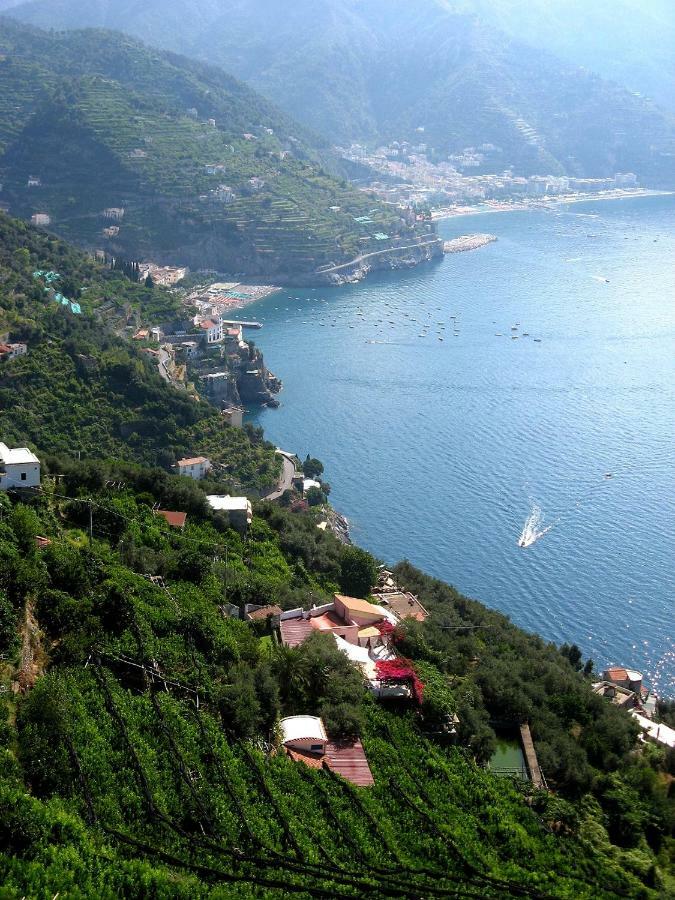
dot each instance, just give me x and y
(139, 718)
(140, 754)
(628, 41)
(83, 391)
(386, 70)
(146, 154)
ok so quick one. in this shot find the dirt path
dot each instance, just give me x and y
(33, 658)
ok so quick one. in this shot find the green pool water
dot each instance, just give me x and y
(508, 758)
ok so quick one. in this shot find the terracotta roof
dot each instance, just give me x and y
(406, 606)
(193, 461)
(348, 758)
(326, 621)
(313, 760)
(355, 605)
(295, 631)
(616, 673)
(175, 519)
(264, 613)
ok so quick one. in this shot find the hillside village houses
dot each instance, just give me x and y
(19, 468)
(361, 630)
(12, 351)
(196, 467)
(165, 276)
(234, 416)
(304, 739)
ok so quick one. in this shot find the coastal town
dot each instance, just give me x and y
(476, 179)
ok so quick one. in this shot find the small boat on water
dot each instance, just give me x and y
(537, 340)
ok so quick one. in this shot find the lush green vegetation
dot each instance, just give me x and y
(82, 390)
(388, 68)
(205, 171)
(113, 776)
(138, 716)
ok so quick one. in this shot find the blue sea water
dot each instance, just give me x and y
(439, 451)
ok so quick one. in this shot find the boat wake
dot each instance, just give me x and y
(532, 529)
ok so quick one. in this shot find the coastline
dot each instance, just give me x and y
(494, 206)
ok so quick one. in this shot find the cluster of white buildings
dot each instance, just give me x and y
(455, 180)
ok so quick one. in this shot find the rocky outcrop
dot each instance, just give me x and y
(398, 257)
(258, 385)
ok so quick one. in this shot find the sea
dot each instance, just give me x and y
(504, 418)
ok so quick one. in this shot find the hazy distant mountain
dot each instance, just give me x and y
(630, 41)
(391, 69)
(146, 153)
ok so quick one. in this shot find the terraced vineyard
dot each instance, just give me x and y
(156, 777)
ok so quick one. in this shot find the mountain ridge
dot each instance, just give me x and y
(380, 71)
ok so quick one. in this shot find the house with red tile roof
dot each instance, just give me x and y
(213, 330)
(174, 519)
(305, 740)
(356, 621)
(260, 613)
(195, 467)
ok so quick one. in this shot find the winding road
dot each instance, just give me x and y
(285, 483)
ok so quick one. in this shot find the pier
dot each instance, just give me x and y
(536, 775)
(243, 324)
(468, 242)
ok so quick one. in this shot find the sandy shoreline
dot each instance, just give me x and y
(541, 203)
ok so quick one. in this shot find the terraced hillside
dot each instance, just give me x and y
(147, 155)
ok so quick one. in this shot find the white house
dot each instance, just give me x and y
(195, 467)
(11, 351)
(213, 329)
(239, 509)
(19, 468)
(304, 733)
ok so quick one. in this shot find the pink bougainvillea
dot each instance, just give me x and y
(402, 671)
